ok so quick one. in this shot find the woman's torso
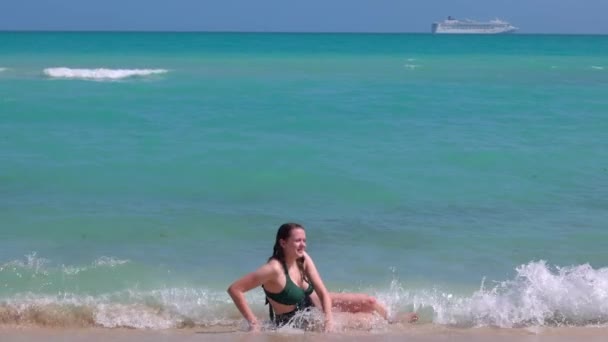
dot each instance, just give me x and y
(287, 289)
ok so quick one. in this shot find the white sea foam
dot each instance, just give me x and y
(596, 67)
(159, 309)
(101, 73)
(539, 295)
(132, 316)
(2, 69)
(411, 66)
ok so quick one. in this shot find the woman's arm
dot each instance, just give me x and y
(315, 278)
(252, 280)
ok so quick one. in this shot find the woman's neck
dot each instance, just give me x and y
(290, 261)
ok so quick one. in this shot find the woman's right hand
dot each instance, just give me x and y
(254, 327)
(252, 280)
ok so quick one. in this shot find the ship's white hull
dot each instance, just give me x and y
(453, 26)
(474, 31)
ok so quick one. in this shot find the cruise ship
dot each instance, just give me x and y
(451, 25)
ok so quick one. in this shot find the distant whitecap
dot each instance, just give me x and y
(109, 261)
(411, 66)
(597, 67)
(101, 73)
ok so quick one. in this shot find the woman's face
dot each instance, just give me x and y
(295, 245)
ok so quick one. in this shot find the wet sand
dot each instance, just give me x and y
(426, 333)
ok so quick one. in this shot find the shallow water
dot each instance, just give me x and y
(464, 177)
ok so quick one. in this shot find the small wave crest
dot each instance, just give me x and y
(411, 66)
(596, 67)
(2, 69)
(101, 73)
(35, 265)
(31, 263)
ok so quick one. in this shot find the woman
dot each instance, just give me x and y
(292, 283)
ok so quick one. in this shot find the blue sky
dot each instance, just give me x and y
(531, 16)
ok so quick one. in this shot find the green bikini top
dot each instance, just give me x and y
(292, 294)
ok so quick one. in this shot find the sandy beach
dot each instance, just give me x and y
(421, 333)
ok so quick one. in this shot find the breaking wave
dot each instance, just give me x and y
(101, 73)
(159, 309)
(538, 295)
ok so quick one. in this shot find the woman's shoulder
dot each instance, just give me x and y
(274, 264)
(307, 258)
(270, 270)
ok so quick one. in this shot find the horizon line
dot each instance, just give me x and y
(283, 32)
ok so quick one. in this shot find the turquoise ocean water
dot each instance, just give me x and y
(465, 177)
